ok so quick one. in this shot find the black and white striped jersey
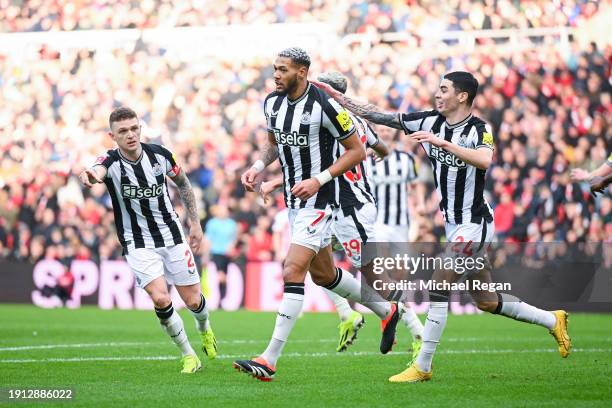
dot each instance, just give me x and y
(144, 215)
(460, 186)
(354, 186)
(391, 178)
(306, 131)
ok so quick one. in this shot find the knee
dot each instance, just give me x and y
(161, 300)
(193, 302)
(487, 306)
(293, 271)
(322, 279)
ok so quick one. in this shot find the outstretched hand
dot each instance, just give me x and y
(328, 90)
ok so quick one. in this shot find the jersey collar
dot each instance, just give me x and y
(458, 124)
(131, 161)
(290, 102)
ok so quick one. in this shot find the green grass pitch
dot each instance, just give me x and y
(122, 358)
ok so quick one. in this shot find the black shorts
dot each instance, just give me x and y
(221, 262)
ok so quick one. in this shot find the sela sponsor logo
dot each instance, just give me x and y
(445, 157)
(290, 139)
(135, 192)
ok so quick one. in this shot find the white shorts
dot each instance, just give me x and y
(469, 240)
(353, 227)
(176, 263)
(469, 232)
(310, 227)
(391, 233)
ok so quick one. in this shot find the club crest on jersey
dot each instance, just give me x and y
(157, 169)
(462, 141)
(135, 192)
(305, 120)
(290, 139)
(445, 157)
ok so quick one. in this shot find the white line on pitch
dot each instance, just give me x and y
(309, 355)
(296, 341)
(263, 341)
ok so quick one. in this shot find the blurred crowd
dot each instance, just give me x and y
(549, 106)
(353, 16)
(46, 15)
(427, 17)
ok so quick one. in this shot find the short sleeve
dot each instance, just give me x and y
(336, 120)
(104, 160)
(484, 136)
(415, 121)
(172, 167)
(268, 108)
(372, 138)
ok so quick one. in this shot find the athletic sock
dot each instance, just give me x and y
(288, 312)
(432, 332)
(200, 315)
(342, 305)
(346, 286)
(172, 324)
(412, 322)
(512, 307)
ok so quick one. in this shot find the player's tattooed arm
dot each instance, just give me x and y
(366, 110)
(270, 151)
(188, 197)
(370, 112)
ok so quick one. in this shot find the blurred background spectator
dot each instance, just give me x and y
(548, 102)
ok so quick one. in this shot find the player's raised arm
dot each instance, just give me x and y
(96, 173)
(188, 197)
(366, 110)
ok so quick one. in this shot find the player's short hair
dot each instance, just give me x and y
(297, 55)
(335, 79)
(464, 82)
(121, 113)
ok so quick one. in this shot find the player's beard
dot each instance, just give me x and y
(292, 85)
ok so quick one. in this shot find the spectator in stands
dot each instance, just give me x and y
(221, 234)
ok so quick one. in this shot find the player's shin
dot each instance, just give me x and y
(288, 312)
(434, 326)
(342, 305)
(412, 322)
(346, 286)
(513, 307)
(200, 314)
(172, 324)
